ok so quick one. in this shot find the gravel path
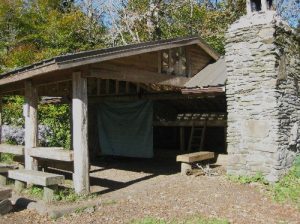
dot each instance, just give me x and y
(128, 194)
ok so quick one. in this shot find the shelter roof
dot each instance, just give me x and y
(74, 60)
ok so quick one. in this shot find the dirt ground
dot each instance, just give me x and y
(132, 189)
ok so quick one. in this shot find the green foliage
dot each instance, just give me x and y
(257, 178)
(33, 30)
(62, 194)
(35, 191)
(68, 195)
(7, 158)
(194, 220)
(288, 188)
(13, 111)
(57, 118)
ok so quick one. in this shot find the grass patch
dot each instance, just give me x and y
(288, 188)
(257, 178)
(62, 194)
(35, 192)
(194, 220)
(6, 158)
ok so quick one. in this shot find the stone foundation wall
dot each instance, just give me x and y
(262, 96)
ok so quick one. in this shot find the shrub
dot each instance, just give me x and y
(54, 123)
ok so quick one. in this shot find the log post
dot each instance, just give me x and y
(80, 132)
(0, 121)
(31, 123)
(182, 139)
(264, 5)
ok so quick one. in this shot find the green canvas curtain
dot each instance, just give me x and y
(126, 128)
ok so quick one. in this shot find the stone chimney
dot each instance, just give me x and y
(262, 90)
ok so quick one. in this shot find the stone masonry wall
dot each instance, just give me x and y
(262, 96)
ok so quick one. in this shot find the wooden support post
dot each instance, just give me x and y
(80, 134)
(31, 123)
(98, 87)
(49, 193)
(0, 121)
(19, 186)
(248, 6)
(182, 139)
(127, 87)
(107, 86)
(159, 62)
(264, 5)
(188, 62)
(3, 179)
(185, 168)
(117, 87)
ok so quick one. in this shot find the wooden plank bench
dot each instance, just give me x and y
(4, 168)
(48, 180)
(188, 159)
(5, 203)
(52, 153)
(12, 149)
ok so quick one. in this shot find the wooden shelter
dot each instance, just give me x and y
(182, 69)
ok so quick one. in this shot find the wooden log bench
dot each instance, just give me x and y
(5, 203)
(4, 168)
(188, 159)
(48, 180)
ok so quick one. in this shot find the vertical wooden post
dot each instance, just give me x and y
(159, 62)
(0, 120)
(0, 123)
(182, 139)
(31, 123)
(248, 7)
(80, 132)
(264, 5)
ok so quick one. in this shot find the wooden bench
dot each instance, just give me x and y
(4, 168)
(188, 159)
(48, 180)
(12, 149)
(5, 203)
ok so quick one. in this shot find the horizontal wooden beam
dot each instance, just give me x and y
(190, 123)
(36, 177)
(125, 73)
(150, 96)
(52, 153)
(12, 149)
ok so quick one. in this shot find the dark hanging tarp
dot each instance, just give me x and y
(126, 128)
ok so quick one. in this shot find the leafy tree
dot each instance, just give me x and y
(34, 30)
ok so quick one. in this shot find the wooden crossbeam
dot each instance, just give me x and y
(53, 153)
(125, 73)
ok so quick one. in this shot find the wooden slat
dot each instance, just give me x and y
(5, 193)
(12, 149)
(53, 153)
(36, 177)
(195, 157)
(190, 123)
